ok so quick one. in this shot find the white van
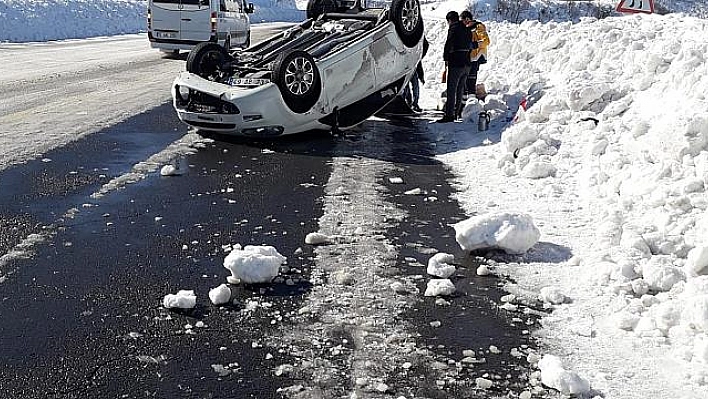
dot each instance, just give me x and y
(175, 25)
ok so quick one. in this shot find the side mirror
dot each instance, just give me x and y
(249, 8)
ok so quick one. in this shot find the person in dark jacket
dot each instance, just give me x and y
(457, 62)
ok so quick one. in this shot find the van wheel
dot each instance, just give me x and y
(315, 8)
(298, 79)
(405, 15)
(207, 60)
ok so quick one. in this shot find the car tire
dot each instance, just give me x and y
(206, 60)
(406, 17)
(315, 8)
(298, 79)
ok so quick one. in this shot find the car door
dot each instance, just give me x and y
(243, 22)
(195, 20)
(237, 19)
(349, 74)
(166, 19)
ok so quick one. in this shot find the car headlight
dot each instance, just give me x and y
(182, 93)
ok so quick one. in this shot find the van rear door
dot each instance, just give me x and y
(195, 20)
(166, 19)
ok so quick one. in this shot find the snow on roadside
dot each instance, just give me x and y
(622, 121)
(76, 19)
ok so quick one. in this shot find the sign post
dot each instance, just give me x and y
(635, 6)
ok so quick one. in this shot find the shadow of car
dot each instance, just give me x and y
(330, 72)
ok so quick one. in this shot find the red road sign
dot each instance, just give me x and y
(646, 6)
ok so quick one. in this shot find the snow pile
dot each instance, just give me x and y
(640, 149)
(553, 375)
(513, 233)
(611, 159)
(29, 21)
(183, 299)
(254, 263)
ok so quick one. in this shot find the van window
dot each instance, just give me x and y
(233, 5)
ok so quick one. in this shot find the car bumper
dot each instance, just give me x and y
(255, 112)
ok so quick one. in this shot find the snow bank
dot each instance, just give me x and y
(513, 233)
(612, 160)
(30, 21)
(254, 264)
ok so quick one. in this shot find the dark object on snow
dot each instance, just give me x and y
(589, 118)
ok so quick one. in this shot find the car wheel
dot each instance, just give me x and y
(298, 79)
(206, 60)
(405, 15)
(315, 8)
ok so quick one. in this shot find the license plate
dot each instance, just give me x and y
(202, 108)
(166, 35)
(248, 82)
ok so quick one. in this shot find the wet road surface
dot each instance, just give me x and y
(84, 277)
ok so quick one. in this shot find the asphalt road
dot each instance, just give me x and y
(83, 275)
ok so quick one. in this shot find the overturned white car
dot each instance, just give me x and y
(330, 72)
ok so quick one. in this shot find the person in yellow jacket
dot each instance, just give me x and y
(478, 52)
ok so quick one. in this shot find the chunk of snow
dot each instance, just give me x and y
(660, 273)
(483, 383)
(220, 295)
(178, 167)
(513, 233)
(395, 180)
(553, 375)
(437, 287)
(316, 239)
(695, 313)
(483, 270)
(538, 170)
(697, 260)
(552, 295)
(254, 263)
(415, 191)
(183, 299)
(439, 265)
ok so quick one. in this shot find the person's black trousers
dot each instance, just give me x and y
(456, 77)
(471, 84)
